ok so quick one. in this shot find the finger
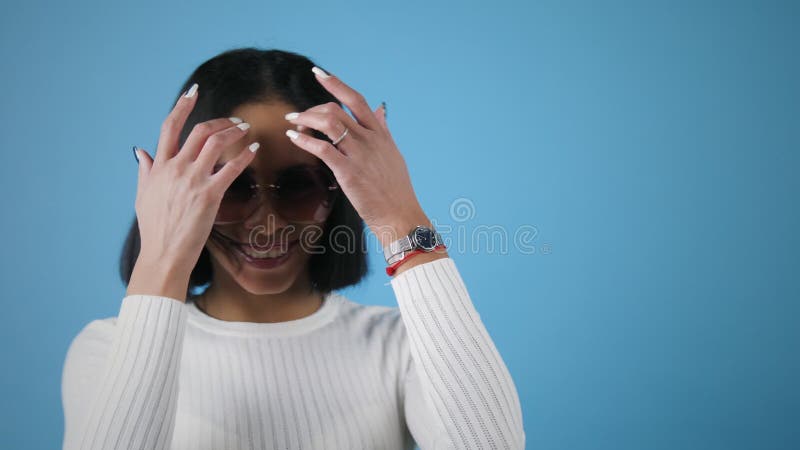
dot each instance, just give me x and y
(330, 120)
(203, 131)
(223, 178)
(380, 114)
(324, 150)
(145, 164)
(336, 109)
(173, 124)
(353, 99)
(145, 161)
(217, 143)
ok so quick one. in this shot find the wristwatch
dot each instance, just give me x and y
(421, 237)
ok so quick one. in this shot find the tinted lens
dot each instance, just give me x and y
(303, 195)
(237, 200)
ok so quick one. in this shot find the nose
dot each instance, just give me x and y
(266, 217)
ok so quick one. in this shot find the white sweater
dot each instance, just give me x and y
(349, 376)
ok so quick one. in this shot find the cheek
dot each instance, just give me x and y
(311, 237)
(222, 257)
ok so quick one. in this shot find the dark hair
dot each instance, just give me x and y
(250, 75)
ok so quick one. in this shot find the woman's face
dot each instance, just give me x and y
(264, 226)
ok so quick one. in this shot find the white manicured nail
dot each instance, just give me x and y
(319, 72)
(292, 134)
(254, 146)
(291, 116)
(243, 126)
(192, 90)
(235, 119)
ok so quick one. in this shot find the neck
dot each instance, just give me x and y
(228, 301)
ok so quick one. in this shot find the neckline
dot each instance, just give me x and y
(303, 325)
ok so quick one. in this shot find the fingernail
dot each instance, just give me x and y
(235, 119)
(192, 90)
(384, 109)
(320, 72)
(291, 116)
(243, 126)
(254, 146)
(292, 134)
(135, 155)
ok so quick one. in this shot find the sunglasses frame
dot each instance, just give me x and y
(257, 188)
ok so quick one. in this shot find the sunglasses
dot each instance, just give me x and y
(301, 194)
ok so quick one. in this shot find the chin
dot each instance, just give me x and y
(263, 287)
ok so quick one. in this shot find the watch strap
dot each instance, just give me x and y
(398, 249)
(403, 244)
(392, 268)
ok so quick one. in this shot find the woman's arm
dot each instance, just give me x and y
(458, 392)
(119, 382)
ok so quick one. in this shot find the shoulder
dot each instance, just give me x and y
(97, 329)
(378, 331)
(85, 357)
(370, 321)
(92, 339)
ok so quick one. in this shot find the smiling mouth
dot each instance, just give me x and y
(275, 251)
(254, 252)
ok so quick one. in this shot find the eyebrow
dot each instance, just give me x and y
(249, 170)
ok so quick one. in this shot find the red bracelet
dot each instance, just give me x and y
(390, 270)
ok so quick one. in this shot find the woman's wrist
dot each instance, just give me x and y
(391, 230)
(159, 276)
(420, 258)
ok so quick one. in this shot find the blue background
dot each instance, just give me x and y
(652, 146)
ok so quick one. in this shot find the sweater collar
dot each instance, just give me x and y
(303, 325)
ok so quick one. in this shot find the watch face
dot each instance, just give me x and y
(424, 238)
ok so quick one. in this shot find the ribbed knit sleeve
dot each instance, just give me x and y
(458, 392)
(119, 383)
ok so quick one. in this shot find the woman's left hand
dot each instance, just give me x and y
(367, 163)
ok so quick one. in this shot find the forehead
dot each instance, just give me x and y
(268, 127)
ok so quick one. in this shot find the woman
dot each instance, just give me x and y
(257, 173)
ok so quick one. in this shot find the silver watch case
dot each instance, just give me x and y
(421, 237)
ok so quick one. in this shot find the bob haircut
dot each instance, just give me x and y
(251, 75)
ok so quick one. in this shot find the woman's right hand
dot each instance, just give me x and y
(178, 195)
